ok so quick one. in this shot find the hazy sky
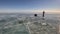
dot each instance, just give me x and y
(28, 6)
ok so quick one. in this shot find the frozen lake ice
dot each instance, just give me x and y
(28, 24)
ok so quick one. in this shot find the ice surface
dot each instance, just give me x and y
(28, 24)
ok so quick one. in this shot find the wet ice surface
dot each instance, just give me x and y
(27, 25)
(42, 28)
(17, 29)
(11, 25)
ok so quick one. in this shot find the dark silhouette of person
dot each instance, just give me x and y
(43, 14)
(35, 15)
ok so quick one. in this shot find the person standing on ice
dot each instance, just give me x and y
(43, 14)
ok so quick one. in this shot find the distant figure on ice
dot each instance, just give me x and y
(43, 14)
(35, 15)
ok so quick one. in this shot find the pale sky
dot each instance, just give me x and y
(29, 6)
